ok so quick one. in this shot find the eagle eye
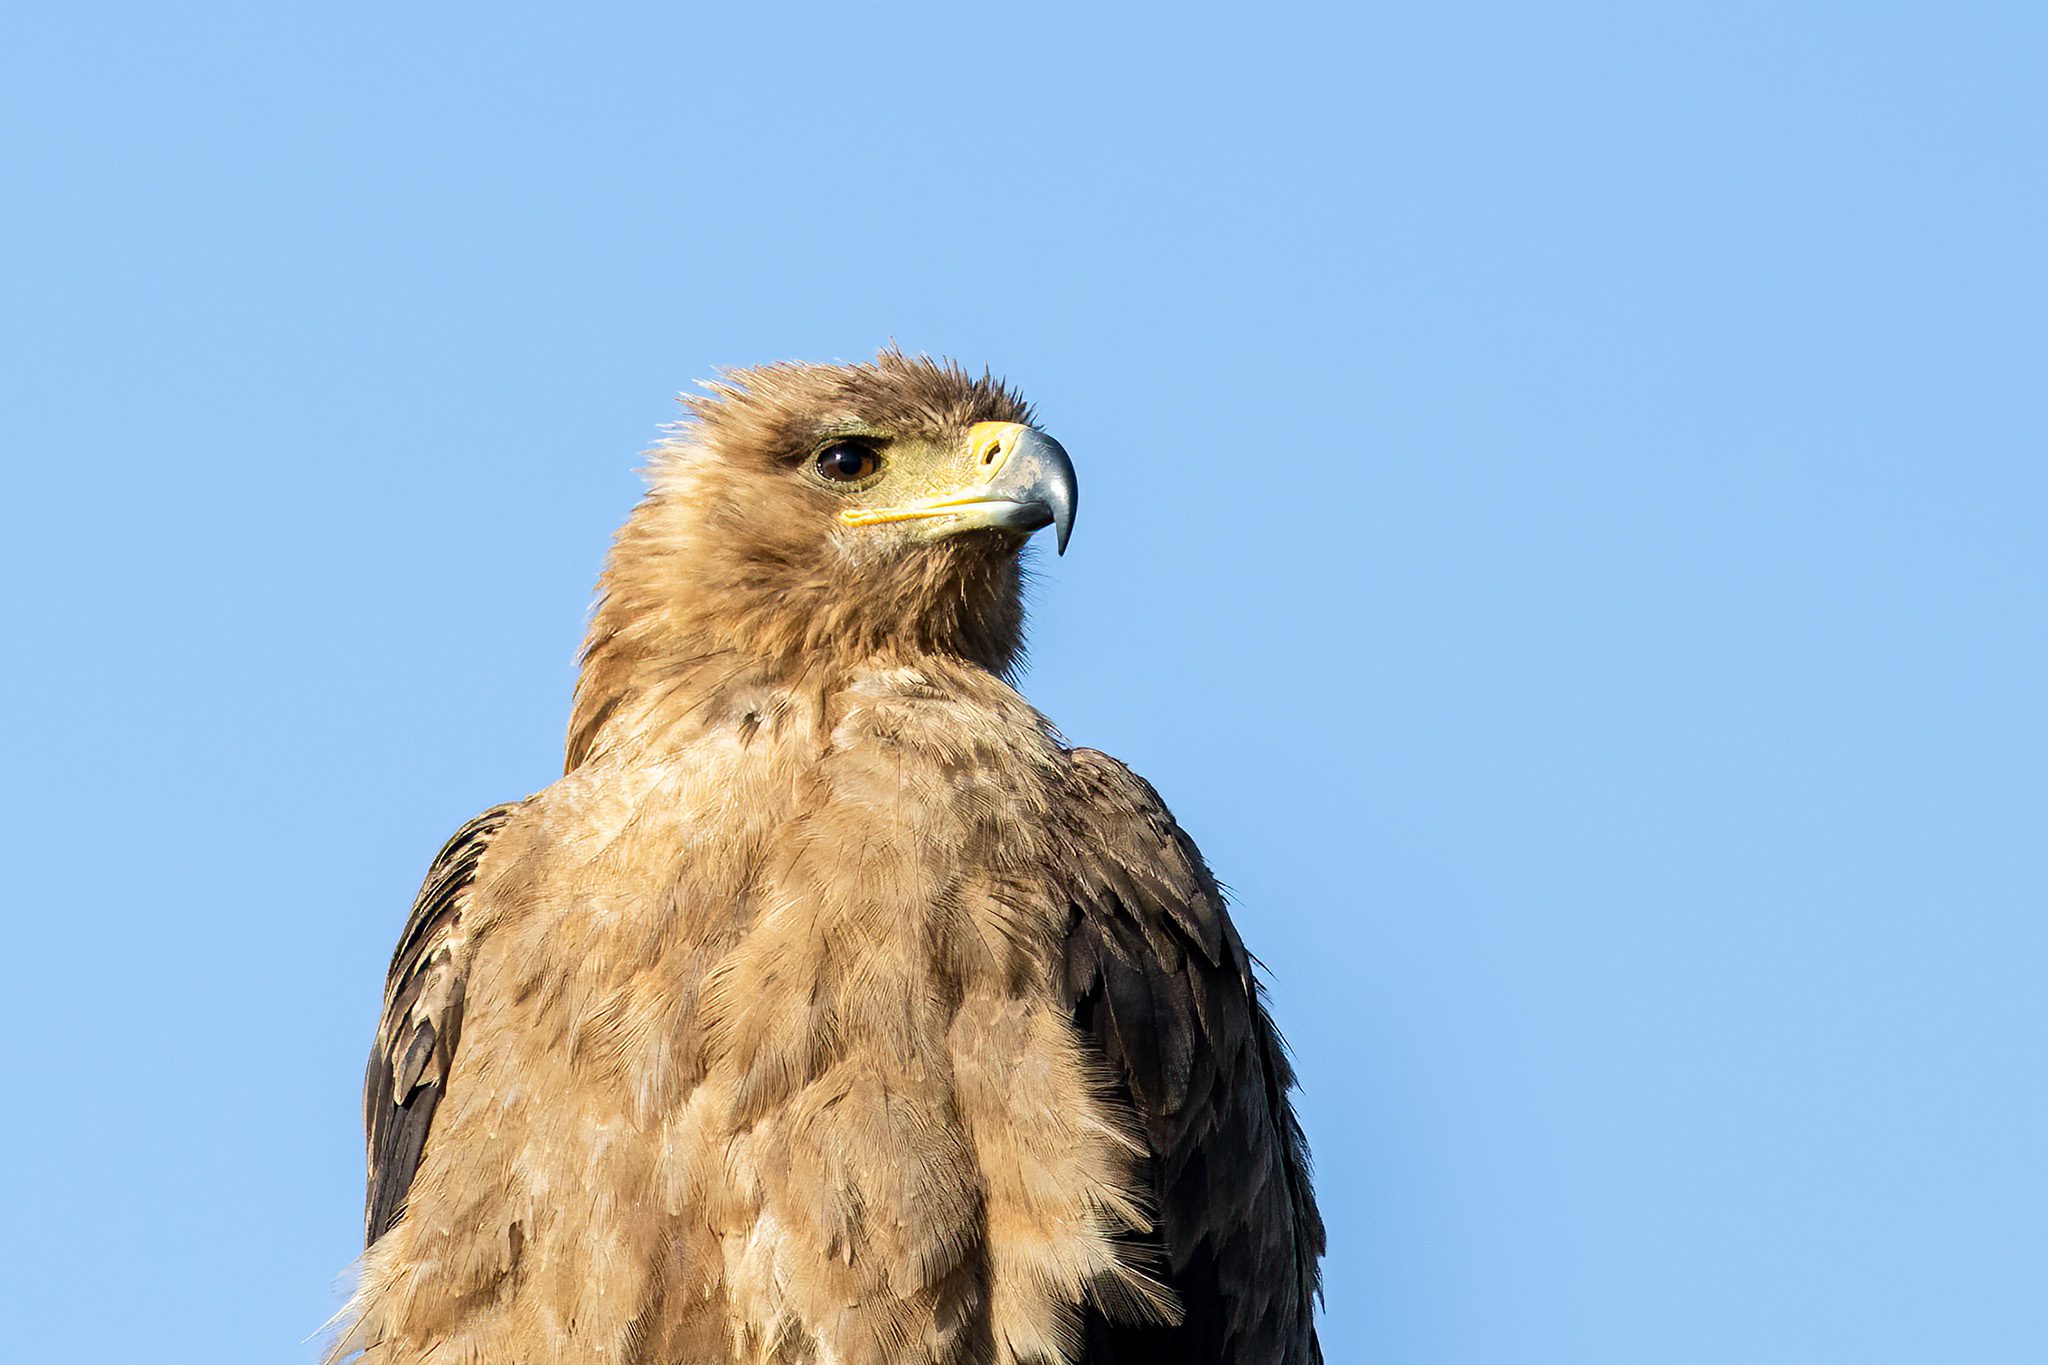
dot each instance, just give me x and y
(848, 462)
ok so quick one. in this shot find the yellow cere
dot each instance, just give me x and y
(988, 444)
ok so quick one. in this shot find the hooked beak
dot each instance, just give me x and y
(1023, 482)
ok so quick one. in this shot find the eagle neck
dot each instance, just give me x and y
(688, 608)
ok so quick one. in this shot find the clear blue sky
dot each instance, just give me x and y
(1564, 512)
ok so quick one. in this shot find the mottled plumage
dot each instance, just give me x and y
(829, 1009)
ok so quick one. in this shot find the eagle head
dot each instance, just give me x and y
(807, 517)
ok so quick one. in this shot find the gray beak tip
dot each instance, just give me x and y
(1053, 482)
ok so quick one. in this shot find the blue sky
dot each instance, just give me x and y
(1563, 527)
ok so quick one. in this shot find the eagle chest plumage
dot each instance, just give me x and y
(816, 1097)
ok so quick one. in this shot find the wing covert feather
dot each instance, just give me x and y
(421, 1023)
(1160, 983)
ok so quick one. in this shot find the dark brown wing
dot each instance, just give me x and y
(1159, 981)
(422, 1019)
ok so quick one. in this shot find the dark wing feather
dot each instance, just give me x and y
(1160, 983)
(422, 1019)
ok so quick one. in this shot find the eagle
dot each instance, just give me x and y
(830, 1009)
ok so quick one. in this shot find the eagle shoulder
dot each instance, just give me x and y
(1159, 983)
(421, 1022)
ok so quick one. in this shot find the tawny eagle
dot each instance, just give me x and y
(830, 1009)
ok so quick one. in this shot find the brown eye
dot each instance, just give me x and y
(848, 462)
